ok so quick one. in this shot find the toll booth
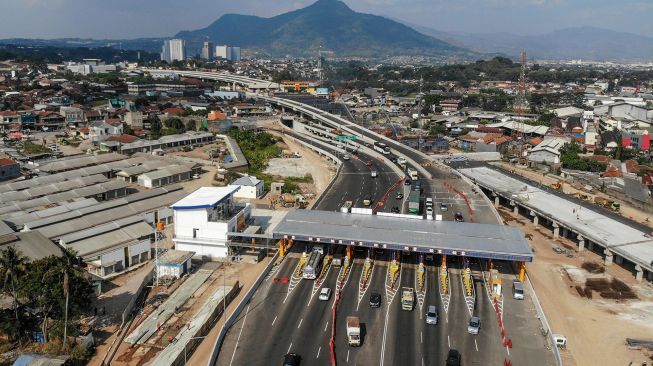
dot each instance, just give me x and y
(495, 283)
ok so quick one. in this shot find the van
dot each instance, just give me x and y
(518, 290)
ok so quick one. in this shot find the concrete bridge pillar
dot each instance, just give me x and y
(639, 273)
(496, 201)
(515, 209)
(581, 243)
(535, 218)
(556, 230)
(608, 257)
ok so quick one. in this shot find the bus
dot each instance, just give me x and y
(314, 266)
(413, 202)
(382, 148)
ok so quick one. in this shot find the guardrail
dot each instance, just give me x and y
(544, 321)
(232, 319)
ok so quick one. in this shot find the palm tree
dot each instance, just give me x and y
(69, 262)
(12, 264)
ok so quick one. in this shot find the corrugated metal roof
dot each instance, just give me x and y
(111, 239)
(168, 171)
(34, 245)
(69, 164)
(476, 240)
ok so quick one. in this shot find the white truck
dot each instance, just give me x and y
(407, 298)
(354, 331)
(412, 173)
(346, 208)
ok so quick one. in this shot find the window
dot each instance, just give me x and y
(195, 233)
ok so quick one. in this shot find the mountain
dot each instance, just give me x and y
(587, 43)
(327, 23)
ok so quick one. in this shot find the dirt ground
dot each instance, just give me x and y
(626, 210)
(596, 329)
(310, 163)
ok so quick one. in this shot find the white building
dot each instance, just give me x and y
(208, 50)
(227, 52)
(250, 187)
(173, 50)
(203, 219)
(99, 131)
(547, 153)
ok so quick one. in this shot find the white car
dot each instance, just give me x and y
(325, 294)
(429, 202)
(346, 157)
(429, 212)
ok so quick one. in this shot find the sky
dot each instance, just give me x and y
(101, 19)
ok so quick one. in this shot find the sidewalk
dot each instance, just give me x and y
(246, 277)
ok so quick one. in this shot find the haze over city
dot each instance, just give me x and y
(161, 18)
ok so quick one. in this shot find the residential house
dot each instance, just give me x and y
(73, 116)
(100, 131)
(546, 155)
(9, 169)
(250, 187)
(204, 218)
(49, 121)
(637, 139)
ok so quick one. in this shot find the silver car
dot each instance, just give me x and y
(432, 315)
(474, 325)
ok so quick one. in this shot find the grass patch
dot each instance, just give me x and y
(31, 148)
(258, 147)
(291, 184)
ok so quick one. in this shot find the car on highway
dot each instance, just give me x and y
(346, 157)
(443, 207)
(459, 217)
(428, 202)
(429, 212)
(374, 174)
(399, 196)
(401, 161)
(375, 300)
(325, 294)
(395, 209)
(432, 315)
(474, 325)
(367, 201)
(291, 359)
(407, 182)
(453, 358)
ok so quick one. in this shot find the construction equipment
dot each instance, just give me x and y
(612, 205)
(291, 200)
(557, 186)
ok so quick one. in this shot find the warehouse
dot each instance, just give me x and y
(168, 142)
(112, 247)
(169, 175)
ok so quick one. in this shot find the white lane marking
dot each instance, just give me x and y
(476, 344)
(300, 322)
(289, 347)
(239, 334)
(421, 340)
(318, 352)
(275, 319)
(422, 360)
(449, 341)
(326, 325)
(348, 356)
(507, 350)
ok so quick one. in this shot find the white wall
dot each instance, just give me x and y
(141, 247)
(117, 255)
(246, 192)
(202, 250)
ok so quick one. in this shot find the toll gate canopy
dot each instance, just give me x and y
(396, 233)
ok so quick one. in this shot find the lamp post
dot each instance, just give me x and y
(185, 357)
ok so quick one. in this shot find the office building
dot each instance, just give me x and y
(208, 50)
(227, 53)
(173, 50)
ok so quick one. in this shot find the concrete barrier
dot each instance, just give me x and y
(545, 323)
(229, 321)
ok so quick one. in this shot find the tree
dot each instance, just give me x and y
(12, 264)
(56, 286)
(191, 125)
(155, 126)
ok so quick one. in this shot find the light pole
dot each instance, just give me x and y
(187, 345)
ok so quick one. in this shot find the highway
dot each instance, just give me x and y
(286, 316)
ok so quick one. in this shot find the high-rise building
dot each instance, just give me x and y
(227, 53)
(208, 50)
(173, 50)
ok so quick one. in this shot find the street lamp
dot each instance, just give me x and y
(187, 345)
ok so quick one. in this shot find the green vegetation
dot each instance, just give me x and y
(290, 184)
(30, 148)
(258, 148)
(47, 295)
(571, 160)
